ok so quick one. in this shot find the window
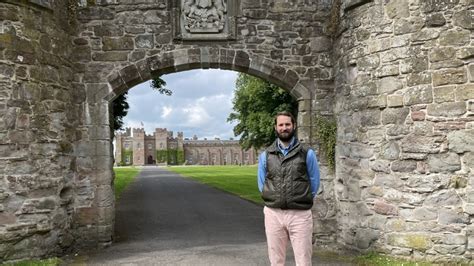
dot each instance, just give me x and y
(150, 146)
(138, 145)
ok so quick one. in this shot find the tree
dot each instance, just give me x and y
(120, 106)
(256, 102)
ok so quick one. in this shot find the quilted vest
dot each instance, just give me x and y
(287, 184)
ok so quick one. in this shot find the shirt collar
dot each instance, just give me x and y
(281, 147)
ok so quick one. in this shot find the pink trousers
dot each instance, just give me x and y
(294, 225)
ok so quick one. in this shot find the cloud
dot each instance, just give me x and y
(166, 111)
(200, 104)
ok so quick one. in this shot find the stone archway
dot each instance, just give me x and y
(129, 76)
(391, 71)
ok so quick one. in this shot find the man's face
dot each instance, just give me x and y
(284, 128)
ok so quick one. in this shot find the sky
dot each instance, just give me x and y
(200, 104)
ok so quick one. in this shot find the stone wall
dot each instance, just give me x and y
(397, 75)
(40, 116)
(404, 104)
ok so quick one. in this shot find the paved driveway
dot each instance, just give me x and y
(165, 219)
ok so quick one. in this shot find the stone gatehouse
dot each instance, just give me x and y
(397, 75)
(162, 148)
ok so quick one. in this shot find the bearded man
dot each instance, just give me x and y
(288, 179)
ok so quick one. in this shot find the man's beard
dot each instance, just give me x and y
(286, 136)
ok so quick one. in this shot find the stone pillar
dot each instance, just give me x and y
(403, 88)
(40, 119)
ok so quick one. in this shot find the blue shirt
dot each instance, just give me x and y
(312, 167)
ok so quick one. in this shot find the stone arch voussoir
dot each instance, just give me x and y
(205, 58)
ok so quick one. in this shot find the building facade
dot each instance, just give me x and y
(135, 147)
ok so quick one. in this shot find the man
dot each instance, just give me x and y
(288, 179)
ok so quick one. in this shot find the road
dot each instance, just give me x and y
(165, 219)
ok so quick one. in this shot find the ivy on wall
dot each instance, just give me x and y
(326, 132)
(180, 157)
(170, 156)
(125, 154)
(162, 156)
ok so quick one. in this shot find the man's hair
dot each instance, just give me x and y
(285, 113)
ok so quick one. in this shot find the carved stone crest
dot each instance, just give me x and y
(205, 20)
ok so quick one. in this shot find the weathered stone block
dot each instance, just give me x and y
(449, 76)
(418, 115)
(404, 26)
(454, 63)
(435, 20)
(387, 70)
(468, 161)
(108, 30)
(368, 62)
(395, 54)
(380, 166)
(425, 214)
(465, 92)
(95, 13)
(117, 43)
(415, 241)
(464, 19)
(110, 56)
(403, 166)
(448, 162)
(381, 207)
(425, 35)
(388, 181)
(390, 151)
(451, 109)
(444, 94)
(420, 144)
(397, 9)
(454, 37)
(454, 239)
(450, 249)
(442, 53)
(396, 225)
(394, 115)
(438, 5)
(418, 79)
(389, 85)
(452, 216)
(418, 95)
(144, 41)
(461, 141)
(465, 53)
(86, 215)
(364, 238)
(130, 75)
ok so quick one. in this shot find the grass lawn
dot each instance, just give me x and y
(123, 177)
(238, 180)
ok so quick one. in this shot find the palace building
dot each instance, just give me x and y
(135, 147)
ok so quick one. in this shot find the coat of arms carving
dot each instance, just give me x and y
(205, 20)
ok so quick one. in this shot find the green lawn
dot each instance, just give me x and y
(123, 177)
(238, 180)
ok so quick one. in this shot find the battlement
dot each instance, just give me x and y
(161, 130)
(139, 130)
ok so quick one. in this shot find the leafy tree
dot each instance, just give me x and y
(255, 104)
(120, 106)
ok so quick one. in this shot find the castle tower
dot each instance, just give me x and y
(161, 145)
(180, 139)
(138, 146)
